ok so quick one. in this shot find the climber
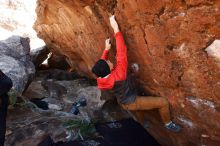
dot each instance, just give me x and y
(117, 80)
(5, 86)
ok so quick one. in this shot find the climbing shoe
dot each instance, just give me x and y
(173, 127)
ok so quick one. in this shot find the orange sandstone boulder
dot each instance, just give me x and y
(167, 38)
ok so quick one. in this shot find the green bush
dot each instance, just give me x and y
(13, 97)
(84, 127)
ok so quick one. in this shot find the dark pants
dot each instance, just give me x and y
(3, 114)
(5, 86)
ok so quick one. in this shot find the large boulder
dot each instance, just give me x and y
(16, 62)
(166, 38)
(28, 128)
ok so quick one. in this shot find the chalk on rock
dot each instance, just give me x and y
(54, 107)
(135, 67)
(214, 50)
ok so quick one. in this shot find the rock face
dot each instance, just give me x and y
(16, 61)
(166, 38)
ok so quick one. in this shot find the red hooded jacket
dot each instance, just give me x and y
(119, 72)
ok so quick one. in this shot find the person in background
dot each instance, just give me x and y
(5, 86)
(116, 79)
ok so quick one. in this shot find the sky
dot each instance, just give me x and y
(17, 18)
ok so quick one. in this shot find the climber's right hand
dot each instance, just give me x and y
(107, 44)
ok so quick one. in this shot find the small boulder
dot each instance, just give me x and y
(39, 55)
